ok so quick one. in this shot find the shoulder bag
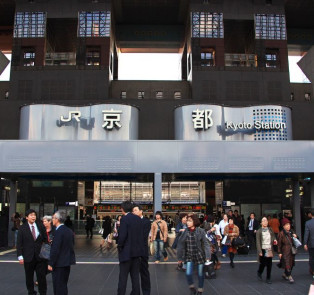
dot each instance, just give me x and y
(45, 250)
(294, 250)
(296, 242)
(166, 244)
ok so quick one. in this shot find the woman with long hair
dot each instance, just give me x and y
(194, 248)
(116, 228)
(265, 239)
(232, 232)
(107, 227)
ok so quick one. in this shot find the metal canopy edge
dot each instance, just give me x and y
(151, 156)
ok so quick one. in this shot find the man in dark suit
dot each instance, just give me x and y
(252, 227)
(144, 272)
(30, 237)
(309, 241)
(62, 254)
(131, 248)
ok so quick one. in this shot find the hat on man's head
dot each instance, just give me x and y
(284, 221)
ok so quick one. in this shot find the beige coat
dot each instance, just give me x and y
(163, 227)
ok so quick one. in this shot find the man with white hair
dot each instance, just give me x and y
(62, 254)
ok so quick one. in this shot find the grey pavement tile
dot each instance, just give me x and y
(96, 278)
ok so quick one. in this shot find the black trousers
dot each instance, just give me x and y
(145, 276)
(265, 261)
(131, 267)
(251, 237)
(311, 259)
(60, 278)
(89, 231)
(40, 267)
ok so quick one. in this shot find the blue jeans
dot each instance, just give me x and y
(189, 274)
(224, 248)
(159, 248)
(15, 237)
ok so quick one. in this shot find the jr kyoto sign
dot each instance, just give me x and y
(96, 122)
(213, 122)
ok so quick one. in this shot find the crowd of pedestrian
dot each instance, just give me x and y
(47, 246)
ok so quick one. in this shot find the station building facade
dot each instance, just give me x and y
(233, 133)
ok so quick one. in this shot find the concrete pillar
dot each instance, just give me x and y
(312, 194)
(157, 192)
(297, 208)
(12, 210)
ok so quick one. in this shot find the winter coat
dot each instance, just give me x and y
(163, 228)
(284, 248)
(259, 241)
(201, 241)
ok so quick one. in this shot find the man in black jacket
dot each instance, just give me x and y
(309, 241)
(30, 237)
(131, 248)
(252, 227)
(61, 255)
(144, 272)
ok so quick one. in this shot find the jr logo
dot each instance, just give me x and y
(72, 114)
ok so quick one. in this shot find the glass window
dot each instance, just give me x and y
(208, 57)
(123, 94)
(29, 24)
(272, 58)
(140, 94)
(28, 58)
(177, 95)
(93, 56)
(207, 25)
(270, 26)
(94, 24)
(159, 94)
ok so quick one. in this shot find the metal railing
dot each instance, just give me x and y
(240, 60)
(60, 59)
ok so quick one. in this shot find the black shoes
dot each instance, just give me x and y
(193, 291)
(268, 281)
(232, 264)
(259, 276)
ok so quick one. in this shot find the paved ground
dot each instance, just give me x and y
(97, 273)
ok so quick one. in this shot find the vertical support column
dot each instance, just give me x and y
(12, 210)
(157, 192)
(312, 194)
(297, 208)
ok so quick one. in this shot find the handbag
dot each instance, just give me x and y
(296, 242)
(294, 250)
(151, 248)
(45, 251)
(237, 242)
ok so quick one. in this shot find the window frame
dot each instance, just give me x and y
(207, 25)
(94, 23)
(30, 24)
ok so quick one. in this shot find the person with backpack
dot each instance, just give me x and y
(159, 235)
